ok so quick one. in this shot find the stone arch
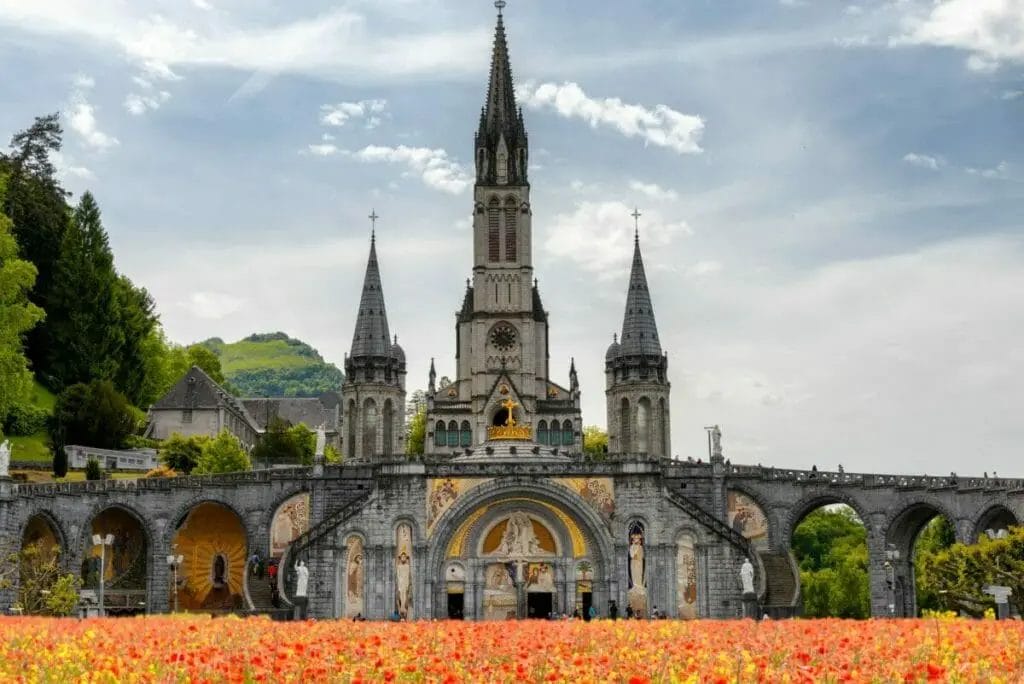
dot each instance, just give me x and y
(644, 420)
(182, 511)
(370, 421)
(269, 518)
(763, 503)
(350, 578)
(995, 517)
(688, 585)
(808, 504)
(215, 554)
(902, 529)
(122, 558)
(406, 519)
(482, 528)
(45, 516)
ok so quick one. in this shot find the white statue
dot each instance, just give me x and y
(747, 576)
(5, 458)
(716, 441)
(519, 538)
(636, 560)
(302, 580)
(321, 443)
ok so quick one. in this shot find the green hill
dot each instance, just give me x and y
(273, 364)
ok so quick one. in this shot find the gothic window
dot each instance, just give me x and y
(440, 434)
(643, 425)
(511, 237)
(662, 428)
(453, 434)
(502, 168)
(567, 436)
(350, 444)
(625, 433)
(466, 434)
(542, 432)
(369, 428)
(493, 231)
(389, 418)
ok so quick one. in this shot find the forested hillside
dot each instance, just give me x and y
(275, 365)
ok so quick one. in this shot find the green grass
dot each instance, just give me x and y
(45, 477)
(31, 448)
(42, 397)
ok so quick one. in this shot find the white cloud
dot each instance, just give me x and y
(991, 30)
(139, 104)
(598, 236)
(323, 150)
(341, 113)
(661, 125)
(81, 117)
(653, 190)
(436, 169)
(83, 82)
(1012, 94)
(211, 305)
(924, 161)
(999, 171)
(203, 5)
(66, 168)
(157, 70)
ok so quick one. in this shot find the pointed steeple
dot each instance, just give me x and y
(501, 144)
(371, 337)
(639, 330)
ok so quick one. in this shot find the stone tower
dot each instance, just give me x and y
(637, 386)
(502, 329)
(374, 389)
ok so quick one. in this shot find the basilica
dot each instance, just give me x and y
(504, 515)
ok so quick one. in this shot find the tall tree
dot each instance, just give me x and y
(17, 316)
(223, 454)
(95, 415)
(136, 320)
(36, 203)
(84, 335)
(416, 442)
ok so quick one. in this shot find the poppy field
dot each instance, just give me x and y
(185, 649)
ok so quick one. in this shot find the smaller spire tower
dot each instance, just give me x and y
(374, 387)
(637, 386)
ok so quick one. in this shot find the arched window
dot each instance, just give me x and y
(567, 433)
(440, 434)
(389, 417)
(625, 433)
(511, 251)
(662, 428)
(502, 168)
(493, 231)
(643, 425)
(453, 434)
(349, 447)
(369, 428)
(542, 432)
(466, 434)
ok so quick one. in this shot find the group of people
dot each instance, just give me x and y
(259, 568)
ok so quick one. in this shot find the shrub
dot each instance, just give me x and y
(93, 470)
(25, 419)
(162, 471)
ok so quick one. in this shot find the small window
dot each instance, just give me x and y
(466, 434)
(186, 416)
(440, 434)
(453, 434)
(542, 432)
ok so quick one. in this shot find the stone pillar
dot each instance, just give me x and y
(879, 577)
(390, 586)
(160, 577)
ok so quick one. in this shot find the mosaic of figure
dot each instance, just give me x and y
(354, 578)
(637, 568)
(291, 520)
(540, 577)
(403, 571)
(686, 578)
(499, 600)
(747, 518)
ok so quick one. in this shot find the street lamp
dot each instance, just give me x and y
(891, 557)
(103, 543)
(174, 561)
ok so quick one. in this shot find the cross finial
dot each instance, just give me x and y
(636, 224)
(373, 223)
(500, 4)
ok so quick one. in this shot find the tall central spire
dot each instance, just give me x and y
(639, 330)
(501, 146)
(371, 337)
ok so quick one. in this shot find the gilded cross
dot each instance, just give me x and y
(508, 404)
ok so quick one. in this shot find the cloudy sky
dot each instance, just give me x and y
(832, 192)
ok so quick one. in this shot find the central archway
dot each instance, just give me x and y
(508, 549)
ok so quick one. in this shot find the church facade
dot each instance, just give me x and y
(504, 516)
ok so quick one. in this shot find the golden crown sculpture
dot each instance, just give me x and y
(510, 430)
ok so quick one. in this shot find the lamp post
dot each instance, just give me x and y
(891, 557)
(173, 561)
(103, 543)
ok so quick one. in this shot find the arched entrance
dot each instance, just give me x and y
(993, 521)
(212, 542)
(830, 547)
(506, 553)
(920, 528)
(122, 559)
(39, 564)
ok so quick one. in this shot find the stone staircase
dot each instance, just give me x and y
(782, 595)
(261, 595)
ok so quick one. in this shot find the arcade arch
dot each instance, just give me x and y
(124, 563)
(212, 540)
(919, 521)
(40, 553)
(993, 520)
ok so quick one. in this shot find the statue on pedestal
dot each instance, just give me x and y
(5, 458)
(747, 576)
(302, 580)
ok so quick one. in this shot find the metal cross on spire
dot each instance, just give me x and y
(500, 4)
(373, 223)
(636, 223)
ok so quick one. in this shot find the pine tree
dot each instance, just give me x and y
(17, 315)
(84, 338)
(137, 323)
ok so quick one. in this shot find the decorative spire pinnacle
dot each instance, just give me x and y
(371, 336)
(373, 225)
(639, 329)
(636, 224)
(501, 143)
(500, 4)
